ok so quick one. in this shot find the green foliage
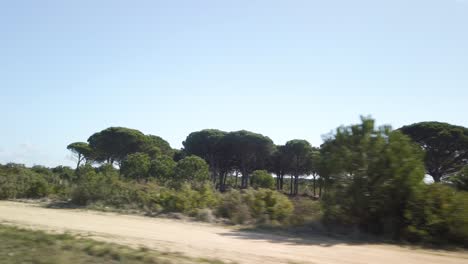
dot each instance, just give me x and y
(188, 200)
(370, 175)
(105, 187)
(205, 144)
(306, 212)
(115, 143)
(248, 151)
(446, 146)
(370, 178)
(192, 169)
(16, 181)
(438, 214)
(279, 165)
(299, 157)
(162, 168)
(460, 180)
(38, 187)
(136, 166)
(262, 179)
(234, 208)
(155, 142)
(64, 173)
(261, 206)
(93, 186)
(82, 151)
(179, 154)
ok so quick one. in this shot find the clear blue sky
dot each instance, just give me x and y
(287, 69)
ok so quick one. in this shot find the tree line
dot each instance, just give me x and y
(238, 154)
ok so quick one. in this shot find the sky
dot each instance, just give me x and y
(287, 69)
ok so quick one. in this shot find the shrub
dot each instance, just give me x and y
(233, 207)
(162, 168)
(9, 186)
(260, 206)
(191, 169)
(262, 179)
(370, 174)
(306, 211)
(107, 189)
(460, 180)
(136, 166)
(205, 215)
(38, 187)
(17, 181)
(438, 214)
(188, 200)
(92, 186)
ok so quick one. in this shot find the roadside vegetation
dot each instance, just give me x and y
(362, 178)
(26, 246)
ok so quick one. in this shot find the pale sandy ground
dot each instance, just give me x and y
(205, 240)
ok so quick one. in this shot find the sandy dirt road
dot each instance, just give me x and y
(205, 240)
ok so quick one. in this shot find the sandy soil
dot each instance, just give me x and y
(205, 240)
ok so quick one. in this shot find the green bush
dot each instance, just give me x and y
(38, 187)
(93, 186)
(259, 206)
(162, 168)
(107, 189)
(188, 200)
(191, 169)
(306, 211)
(262, 179)
(136, 166)
(233, 207)
(17, 181)
(371, 175)
(460, 180)
(438, 214)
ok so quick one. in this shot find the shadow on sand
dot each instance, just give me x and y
(62, 205)
(304, 236)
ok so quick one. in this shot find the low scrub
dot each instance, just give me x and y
(247, 206)
(261, 206)
(149, 197)
(19, 182)
(438, 215)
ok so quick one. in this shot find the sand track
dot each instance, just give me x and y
(205, 240)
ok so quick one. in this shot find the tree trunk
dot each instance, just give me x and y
(320, 188)
(296, 185)
(237, 177)
(214, 176)
(245, 178)
(79, 161)
(224, 181)
(277, 182)
(282, 182)
(242, 179)
(220, 185)
(215, 179)
(291, 186)
(213, 169)
(315, 176)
